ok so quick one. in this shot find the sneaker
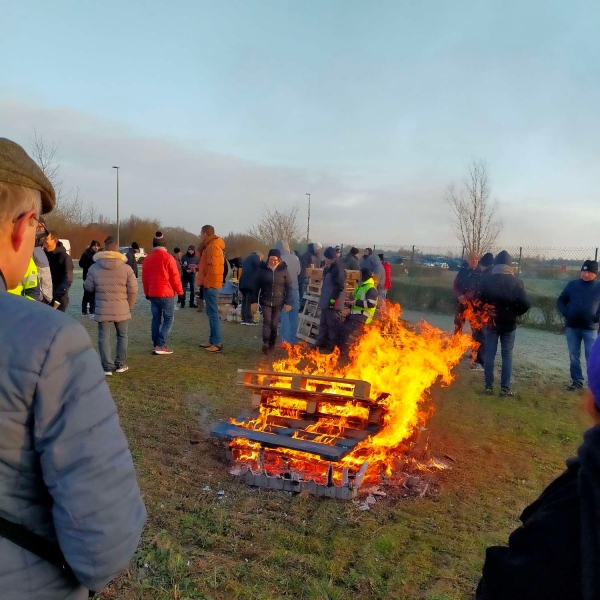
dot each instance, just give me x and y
(265, 348)
(575, 387)
(92, 315)
(244, 323)
(214, 349)
(177, 308)
(108, 373)
(489, 390)
(162, 350)
(205, 346)
(84, 314)
(507, 393)
(122, 369)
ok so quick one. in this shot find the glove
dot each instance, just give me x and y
(147, 297)
(287, 308)
(180, 298)
(331, 304)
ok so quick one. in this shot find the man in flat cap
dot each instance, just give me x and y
(70, 508)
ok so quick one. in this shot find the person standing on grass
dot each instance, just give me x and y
(161, 281)
(115, 287)
(71, 511)
(289, 318)
(189, 264)
(460, 287)
(506, 296)
(579, 304)
(211, 271)
(273, 288)
(331, 302)
(131, 257)
(555, 553)
(250, 267)
(85, 262)
(61, 269)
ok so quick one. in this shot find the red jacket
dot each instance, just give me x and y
(388, 274)
(160, 275)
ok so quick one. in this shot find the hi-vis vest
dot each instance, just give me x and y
(29, 281)
(361, 294)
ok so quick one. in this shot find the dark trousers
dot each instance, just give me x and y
(188, 280)
(248, 299)
(330, 329)
(479, 337)
(351, 327)
(88, 298)
(64, 303)
(271, 317)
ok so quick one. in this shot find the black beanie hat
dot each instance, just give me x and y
(503, 258)
(353, 251)
(135, 245)
(487, 260)
(591, 266)
(365, 274)
(274, 252)
(330, 253)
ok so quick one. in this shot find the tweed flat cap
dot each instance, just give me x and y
(18, 168)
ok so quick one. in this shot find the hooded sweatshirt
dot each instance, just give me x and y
(292, 262)
(114, 284)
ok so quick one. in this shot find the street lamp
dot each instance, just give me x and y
(118, 215)
(308, 225)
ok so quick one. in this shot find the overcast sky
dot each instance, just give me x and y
(216, 109)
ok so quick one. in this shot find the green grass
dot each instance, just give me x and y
(256, 544)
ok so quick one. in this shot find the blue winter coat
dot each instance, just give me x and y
(65, 469)
(579, 304)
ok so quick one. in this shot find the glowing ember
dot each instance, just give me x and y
(400, 363)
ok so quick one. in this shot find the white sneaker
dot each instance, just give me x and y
(122, 369)
(92, 315)
(108, 373)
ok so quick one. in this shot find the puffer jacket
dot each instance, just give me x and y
(115, 286)
(66, 472)
(250, 268)
(160, 276)
(212, 263)
(334, 285)
(273, 287)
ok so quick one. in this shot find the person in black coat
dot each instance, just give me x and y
(579, 304)
(85, 262)
(250, 266)
(131, 258)
(331, 303)
(555, 553)
(61, 269)
(504, 296)
(460, 289)
(189, 263)
(273, 288)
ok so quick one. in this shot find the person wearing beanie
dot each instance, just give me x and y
(132, 258)
(503, 297)
(331, 302)
(273, 288)
(189, 263)
(85, 262)
(351, 260)
(579, 304)
(555, 553)
(362, 310)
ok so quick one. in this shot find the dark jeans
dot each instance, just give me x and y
(211, 296)
(479, 337)
(163, 311)
(289, 320)
(189, 280)
(507, 343)
(248, 299)
(574, 339)
(104, 328)
(64, 303)
(351, 326)
(271, 317)
(88, 298)
(330, 328)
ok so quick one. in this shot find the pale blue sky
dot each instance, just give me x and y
(213, 109)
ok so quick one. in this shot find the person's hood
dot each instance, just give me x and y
(109, 259)
(214, 239)
(282, 246)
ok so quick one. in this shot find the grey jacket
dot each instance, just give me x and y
(115, 286)
(65, 469)
(373, 263)
(292, 262)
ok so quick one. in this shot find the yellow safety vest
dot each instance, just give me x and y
(361, 294)
(30, 280)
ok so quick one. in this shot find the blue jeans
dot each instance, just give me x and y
(211, 297)
(507, 343)
(104, 328)
(574, 339)
(163, 312)
(289, 320)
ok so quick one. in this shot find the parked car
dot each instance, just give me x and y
(140, 254)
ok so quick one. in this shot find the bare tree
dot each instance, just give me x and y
(46, 156)
(474, 214)
(275, 224)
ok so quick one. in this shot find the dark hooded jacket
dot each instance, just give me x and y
(579, 304)
(86, 261)
(273, 287)
(351, 262)
(132, 261)
(61, 269)
(334, 285)
(249, 270)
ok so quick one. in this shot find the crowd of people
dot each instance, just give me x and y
(71, 512)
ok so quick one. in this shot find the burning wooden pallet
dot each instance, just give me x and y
(296, 415)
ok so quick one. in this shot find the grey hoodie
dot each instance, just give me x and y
(291, 260)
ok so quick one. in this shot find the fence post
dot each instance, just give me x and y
(373, 248)
(520, 257)
(462, 256)
(596, 259)
(342, 249)
(410, 277)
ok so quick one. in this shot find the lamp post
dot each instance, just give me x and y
(308, 225)
(118, 214)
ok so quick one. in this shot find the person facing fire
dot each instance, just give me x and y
(362, 310)
(331, 302)
(461, 287)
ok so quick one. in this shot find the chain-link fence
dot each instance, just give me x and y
(423, 276)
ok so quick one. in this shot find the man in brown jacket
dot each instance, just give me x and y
(210, 275)
(115, 286)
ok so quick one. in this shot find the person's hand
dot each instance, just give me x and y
(287, 307)
(331, 304)
(254, 307)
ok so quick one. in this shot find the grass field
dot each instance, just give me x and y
(255, 544)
